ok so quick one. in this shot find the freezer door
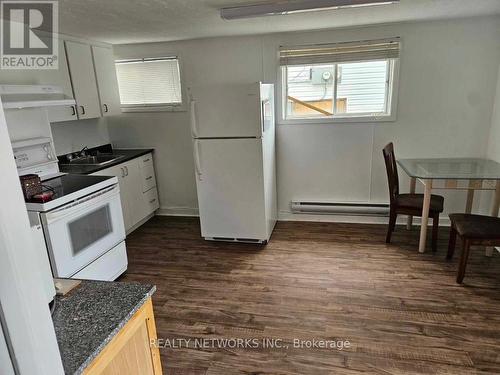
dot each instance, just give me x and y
(227, 111)
(230, 182)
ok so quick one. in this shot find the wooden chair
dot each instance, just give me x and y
(473, 230)
(408, 204)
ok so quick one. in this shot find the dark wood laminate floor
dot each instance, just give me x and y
(401, 311)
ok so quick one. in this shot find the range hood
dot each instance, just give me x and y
(33, 96)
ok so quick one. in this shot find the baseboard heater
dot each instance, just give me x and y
(340, 208)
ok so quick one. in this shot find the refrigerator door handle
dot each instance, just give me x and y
(197, 161)
(263, 115)
(194, 129)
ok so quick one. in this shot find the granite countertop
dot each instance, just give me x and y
(88, 317)
(128, 154)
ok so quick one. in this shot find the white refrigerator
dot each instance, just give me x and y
(233, 131)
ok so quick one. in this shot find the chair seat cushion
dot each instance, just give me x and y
(476, 226)
(416, 201)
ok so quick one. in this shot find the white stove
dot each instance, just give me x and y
(82, 223)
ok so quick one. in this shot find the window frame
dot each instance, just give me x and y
(392, 98)
(161, 107)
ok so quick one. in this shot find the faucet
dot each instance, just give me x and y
(82, 152)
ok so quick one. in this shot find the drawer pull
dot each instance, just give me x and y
(149, 178)
(152, 200)
(146, 160)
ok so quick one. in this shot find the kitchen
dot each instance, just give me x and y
(142, 122)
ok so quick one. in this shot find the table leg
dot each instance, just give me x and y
(425, 215)
(413, 183)
(494, 212)
(470, 198)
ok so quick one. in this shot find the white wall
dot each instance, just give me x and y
(68, 136)
(227, 60)
(72, 136)
(445, 103)
(27, 123)
(494, 141)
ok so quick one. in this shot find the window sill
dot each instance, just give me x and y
(338, 120)
(159, 108)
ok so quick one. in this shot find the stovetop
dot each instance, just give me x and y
(69, 187)
(70, 183)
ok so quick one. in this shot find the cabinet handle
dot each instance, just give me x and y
(152, 201)
(123, 172)
(106, 110)
(126, 170)
(83, 109)
(146, 160)
(149, 178)
(73, 111)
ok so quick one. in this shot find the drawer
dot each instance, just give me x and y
(151, 201)
(107, 267)
(148, 178)
(146, 161)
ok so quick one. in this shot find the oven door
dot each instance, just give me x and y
(81, 231)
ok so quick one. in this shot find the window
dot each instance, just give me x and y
(339, 82)
(149, 83)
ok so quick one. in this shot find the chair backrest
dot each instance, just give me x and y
(392, 171)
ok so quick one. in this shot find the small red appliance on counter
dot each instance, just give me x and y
(33, 189)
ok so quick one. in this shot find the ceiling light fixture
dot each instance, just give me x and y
(295, 6)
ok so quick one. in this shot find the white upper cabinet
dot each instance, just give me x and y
(85, 72)
(83, 80)
(107, 84)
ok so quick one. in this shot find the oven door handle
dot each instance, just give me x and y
(81, 204)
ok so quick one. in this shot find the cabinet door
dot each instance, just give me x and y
(61, 113)
(105, 71)
(119, 172)
(133, 177)
(82, 74)
(131, 351)
(136, 205)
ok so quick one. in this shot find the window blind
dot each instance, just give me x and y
(380, 49)
(149, 82)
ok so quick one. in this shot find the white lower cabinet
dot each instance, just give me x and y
(139, 196)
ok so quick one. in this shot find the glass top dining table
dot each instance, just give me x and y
(451, 168)
(468, 174)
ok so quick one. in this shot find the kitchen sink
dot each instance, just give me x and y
(95, 160)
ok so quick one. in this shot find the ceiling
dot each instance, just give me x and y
(132, 21)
